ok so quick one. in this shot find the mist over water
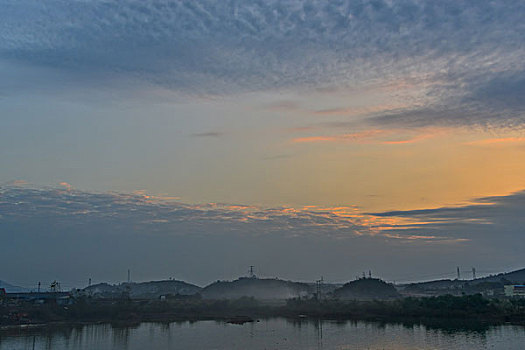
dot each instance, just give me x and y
(275, 333)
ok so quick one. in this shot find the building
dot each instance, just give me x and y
(515, 290)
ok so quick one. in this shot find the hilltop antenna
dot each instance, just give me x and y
(459, 275)
(89, 283)
(38, 287)
(129, 276)
(473, 273)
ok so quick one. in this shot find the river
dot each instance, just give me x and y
(274, 333)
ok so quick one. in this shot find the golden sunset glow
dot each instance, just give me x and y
(311, 138)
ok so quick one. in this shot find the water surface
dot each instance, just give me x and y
(267, 334)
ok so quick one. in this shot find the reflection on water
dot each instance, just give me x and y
(275, 333)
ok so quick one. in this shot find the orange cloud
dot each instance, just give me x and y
(370, 136)
(414, 139)
(66, 185)
(19, 183)
(360, 110)
(496, 141)
(426, 238)
(413, 136)
(353, 137)
(154, 198)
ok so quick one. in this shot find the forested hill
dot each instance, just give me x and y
(367, 289)
(516, 277)
(258, 288)
(144, 290)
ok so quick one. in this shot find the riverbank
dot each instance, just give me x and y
(407, 310)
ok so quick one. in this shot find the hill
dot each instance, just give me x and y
(514, 277)
(258, 288)
(144, 290)
(490, 286)
(366, 289)
(431, 288)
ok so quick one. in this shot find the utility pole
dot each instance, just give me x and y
(38, 287)
(129, 276)
(459, 276)
(318, 285)
(473, 273)
(369, 273)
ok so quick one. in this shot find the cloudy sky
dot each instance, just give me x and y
(191, 139)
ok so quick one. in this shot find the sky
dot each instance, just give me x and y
(193, 138)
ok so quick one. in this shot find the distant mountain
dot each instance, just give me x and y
(491, 285)
(144, 290)
(430, 288)
(9, 288)
(366, 289)
(515, 277)
(258, 288)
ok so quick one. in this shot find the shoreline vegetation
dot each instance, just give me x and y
(251, 299)
(443, 310)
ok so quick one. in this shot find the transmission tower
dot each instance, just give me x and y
(55, 287)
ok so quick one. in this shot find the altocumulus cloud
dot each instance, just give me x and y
(103, 234)
(497, 219)
(140, 213)
(460, 51)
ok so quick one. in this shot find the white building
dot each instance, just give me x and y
(515, 290)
